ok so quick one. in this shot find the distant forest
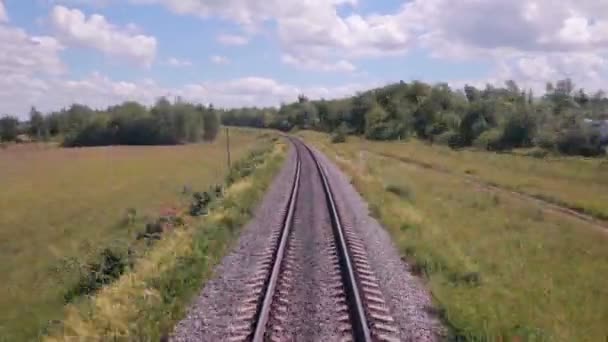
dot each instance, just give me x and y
(130, 123)
(564, 120)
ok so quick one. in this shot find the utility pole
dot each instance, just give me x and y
(228, 146)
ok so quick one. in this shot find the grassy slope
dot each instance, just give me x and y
(497, 266)
(146, 303)
(58, 203)
(579, 183)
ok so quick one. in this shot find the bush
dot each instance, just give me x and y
(518, 131)
(449, 138)
(490, 140)
(577, 141)
(546, 140)
(402, 191)
(200, 203)
(111, 264)
(537, 153)
(339, 135)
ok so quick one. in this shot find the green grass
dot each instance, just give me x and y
(575, 182)
(58, 205)
(147, 302)
(498, 267)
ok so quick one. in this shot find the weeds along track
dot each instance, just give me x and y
(313, 280)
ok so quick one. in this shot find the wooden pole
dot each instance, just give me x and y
(228, 146)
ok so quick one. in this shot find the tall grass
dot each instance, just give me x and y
(499, 268)
(60, 208)
(575, 182)
(147, 302)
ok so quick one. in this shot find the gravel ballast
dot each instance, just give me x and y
(213, 312)
(410, 303)
(311, 311)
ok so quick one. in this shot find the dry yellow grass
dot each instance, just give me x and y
(579, 183)
(60, 203)
(499, 268)
(144, 303)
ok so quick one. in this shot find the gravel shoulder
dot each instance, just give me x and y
(410, 303)
(212, 313)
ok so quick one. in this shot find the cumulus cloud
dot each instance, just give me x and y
(178, 63)
(73, 27)
(313, 64)
(530, 41)
(3, 13)
(314, 30)
(24, 55)
(232, 39)
(216, 59)
(99, 91)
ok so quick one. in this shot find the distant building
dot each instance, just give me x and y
(601, 127)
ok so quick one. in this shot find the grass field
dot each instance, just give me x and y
(145, 303)
(577, 183)
(499, 268)
(61, 204)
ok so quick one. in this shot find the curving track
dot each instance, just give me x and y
(313, 281)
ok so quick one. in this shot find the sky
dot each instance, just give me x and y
(264, 52)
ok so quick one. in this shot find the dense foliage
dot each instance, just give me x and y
(129, 123)
(494, 118)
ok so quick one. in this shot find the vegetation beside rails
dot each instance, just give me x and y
(149, 299)
(499, 268)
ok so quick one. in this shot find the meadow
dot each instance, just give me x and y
(59, 206)
(499, 267)
(574, 182)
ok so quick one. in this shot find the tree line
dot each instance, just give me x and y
(565, 119)
(130, 123)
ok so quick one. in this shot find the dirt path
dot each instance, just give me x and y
(545, 205)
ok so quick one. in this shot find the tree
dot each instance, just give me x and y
(512, 87)
(37, 124)
(581, 97)
(211, 123)
(360, 105)
(9, 128)
(471, 93)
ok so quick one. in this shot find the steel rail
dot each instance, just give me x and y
(264, 310)
(361, 330)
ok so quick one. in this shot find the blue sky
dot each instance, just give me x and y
(254, 52)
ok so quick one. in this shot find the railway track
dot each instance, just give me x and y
(313, 258)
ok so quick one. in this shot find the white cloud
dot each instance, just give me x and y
(96, 32)
(99, 91)
(313, 29)
(3, 13)
(232, 39)
(178, 63)
(23, 55)
(313, 64)
(216, 59)
(530, 41)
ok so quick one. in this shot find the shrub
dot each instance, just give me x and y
(537, 153)
(449, 138)
(518, 131)
(402, 191)
(200, 203)
(546, 140)
(576, 141)
(111, 264)
(338, 137)
(490, 140)
(130, 216)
